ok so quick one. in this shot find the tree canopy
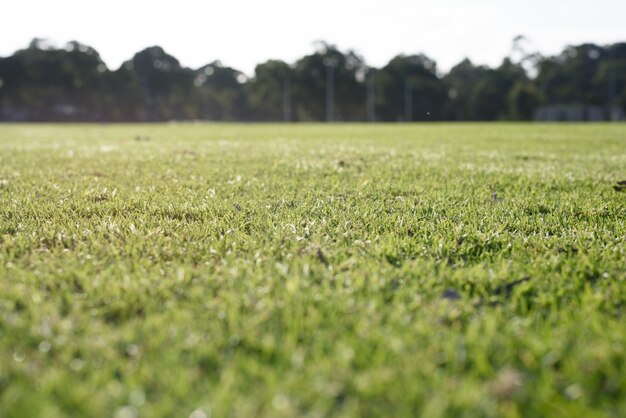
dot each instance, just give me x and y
(72, 83)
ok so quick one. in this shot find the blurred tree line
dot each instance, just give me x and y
(44, 83)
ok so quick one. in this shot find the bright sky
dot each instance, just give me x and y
(242, 33)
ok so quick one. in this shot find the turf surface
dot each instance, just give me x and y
(196, 270)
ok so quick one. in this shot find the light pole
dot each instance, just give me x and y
(1, 101)
(287, 99)
(408, 101)
(371, 95)
(611, 81)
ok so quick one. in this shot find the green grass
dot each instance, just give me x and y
(281, 271)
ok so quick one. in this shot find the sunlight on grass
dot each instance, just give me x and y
(307, 270)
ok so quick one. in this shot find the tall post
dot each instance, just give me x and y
(330, 92)
(1, 101)
(408, 101)
(611, 81)
(287, 99)
(371, 95)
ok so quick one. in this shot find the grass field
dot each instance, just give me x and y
(192, 270)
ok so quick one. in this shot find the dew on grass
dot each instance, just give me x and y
(137, 398)
(200, 413)
(132, 350)
(573, 392)
(508, 383)
(77, 364)
(126, 411)
(44, 346)
(280, 402)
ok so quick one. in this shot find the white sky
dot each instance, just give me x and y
(242, 33)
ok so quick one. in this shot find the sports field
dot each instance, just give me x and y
(198, 270)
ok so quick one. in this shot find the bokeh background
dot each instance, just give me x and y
(328, 61)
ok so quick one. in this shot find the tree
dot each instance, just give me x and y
(409, 89)
(610, 76)
(488, 100)
(460, 83)
(222, 92)
(46, 83)
(568, 78)
(523, 99)
(269, 92)
(164, 84)
(311, 75)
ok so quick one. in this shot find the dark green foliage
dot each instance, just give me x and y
(221, 93)
(410, 90)
(42, 83)
(269, 91)
(309, 85)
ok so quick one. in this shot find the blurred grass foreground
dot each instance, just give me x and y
(200, 271)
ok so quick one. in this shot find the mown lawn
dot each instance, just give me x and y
(196, 270)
